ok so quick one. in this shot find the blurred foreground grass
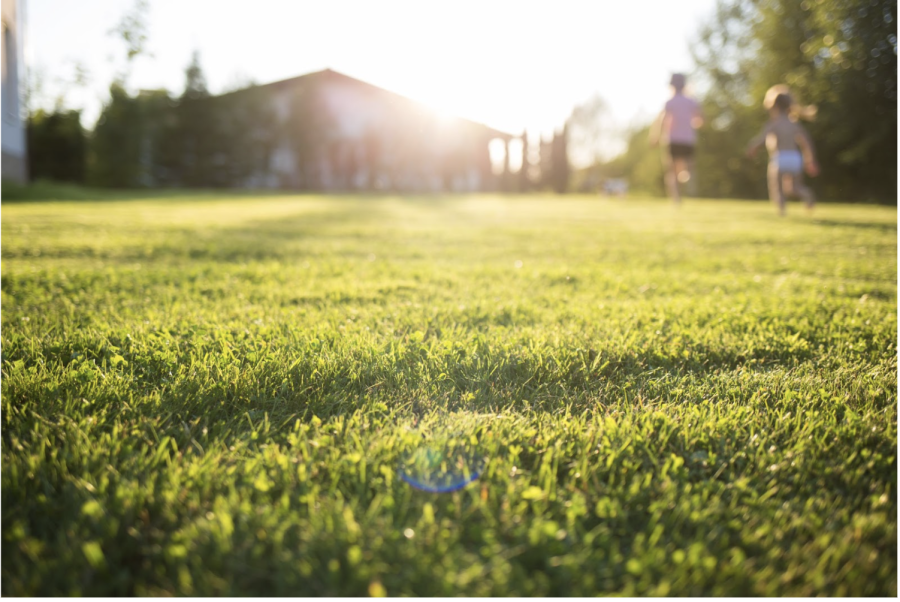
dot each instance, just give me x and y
(211, 395)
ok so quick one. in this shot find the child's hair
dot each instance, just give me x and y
(677, 81)
(783, 102)
(779, 97)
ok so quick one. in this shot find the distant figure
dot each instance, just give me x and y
(676, 127)
(790, 148)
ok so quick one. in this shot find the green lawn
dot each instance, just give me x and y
(213, 395)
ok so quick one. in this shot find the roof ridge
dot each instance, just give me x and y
(332, 72)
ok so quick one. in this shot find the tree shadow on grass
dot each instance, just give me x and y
(276, 238)
(43, 191)
(338, 221)
(880, 226)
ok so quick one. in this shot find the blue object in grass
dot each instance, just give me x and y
(440, 471)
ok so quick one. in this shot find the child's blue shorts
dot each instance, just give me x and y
(788, 161)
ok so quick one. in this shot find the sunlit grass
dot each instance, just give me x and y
(212, 395)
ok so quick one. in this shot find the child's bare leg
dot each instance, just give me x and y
(671, 177)
(804, 192)
(689, 168)
(787, 185)
(776, 195)
(680, 170)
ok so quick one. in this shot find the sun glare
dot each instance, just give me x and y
(448, 104)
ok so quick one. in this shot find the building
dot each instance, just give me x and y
(13, 135)
(328, 131)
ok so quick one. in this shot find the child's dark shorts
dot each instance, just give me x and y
(681, 151)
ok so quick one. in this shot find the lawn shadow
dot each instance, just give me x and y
(282, 237)
(881, 226)
(43, 191)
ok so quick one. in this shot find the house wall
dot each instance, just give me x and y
(14, 155)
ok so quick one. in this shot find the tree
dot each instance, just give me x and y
(132, 141)
(160, 141)
(841, 56)
(56, 146)
(194, 80)
(115, 145)
(132, 29)
(57, 142)
(559, 174)
(197, 128)
(725, 53)
(850, 64)
(247, 136)
(590, 132)
(524, 180)
(639, 164)
(119, 148)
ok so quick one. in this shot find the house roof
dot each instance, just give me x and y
(331, 75)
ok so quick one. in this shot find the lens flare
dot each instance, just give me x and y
(441, 469)
(448, 456)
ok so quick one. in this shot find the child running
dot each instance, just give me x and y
(676, 127)
(790, 149)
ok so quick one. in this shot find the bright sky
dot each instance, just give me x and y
(509, 64)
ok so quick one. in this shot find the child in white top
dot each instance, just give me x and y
(790, 149)
(676, 127)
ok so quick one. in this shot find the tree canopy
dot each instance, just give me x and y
(839, 56)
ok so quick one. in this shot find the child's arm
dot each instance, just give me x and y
(656, 128)
(757, 141)
(806, 148)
